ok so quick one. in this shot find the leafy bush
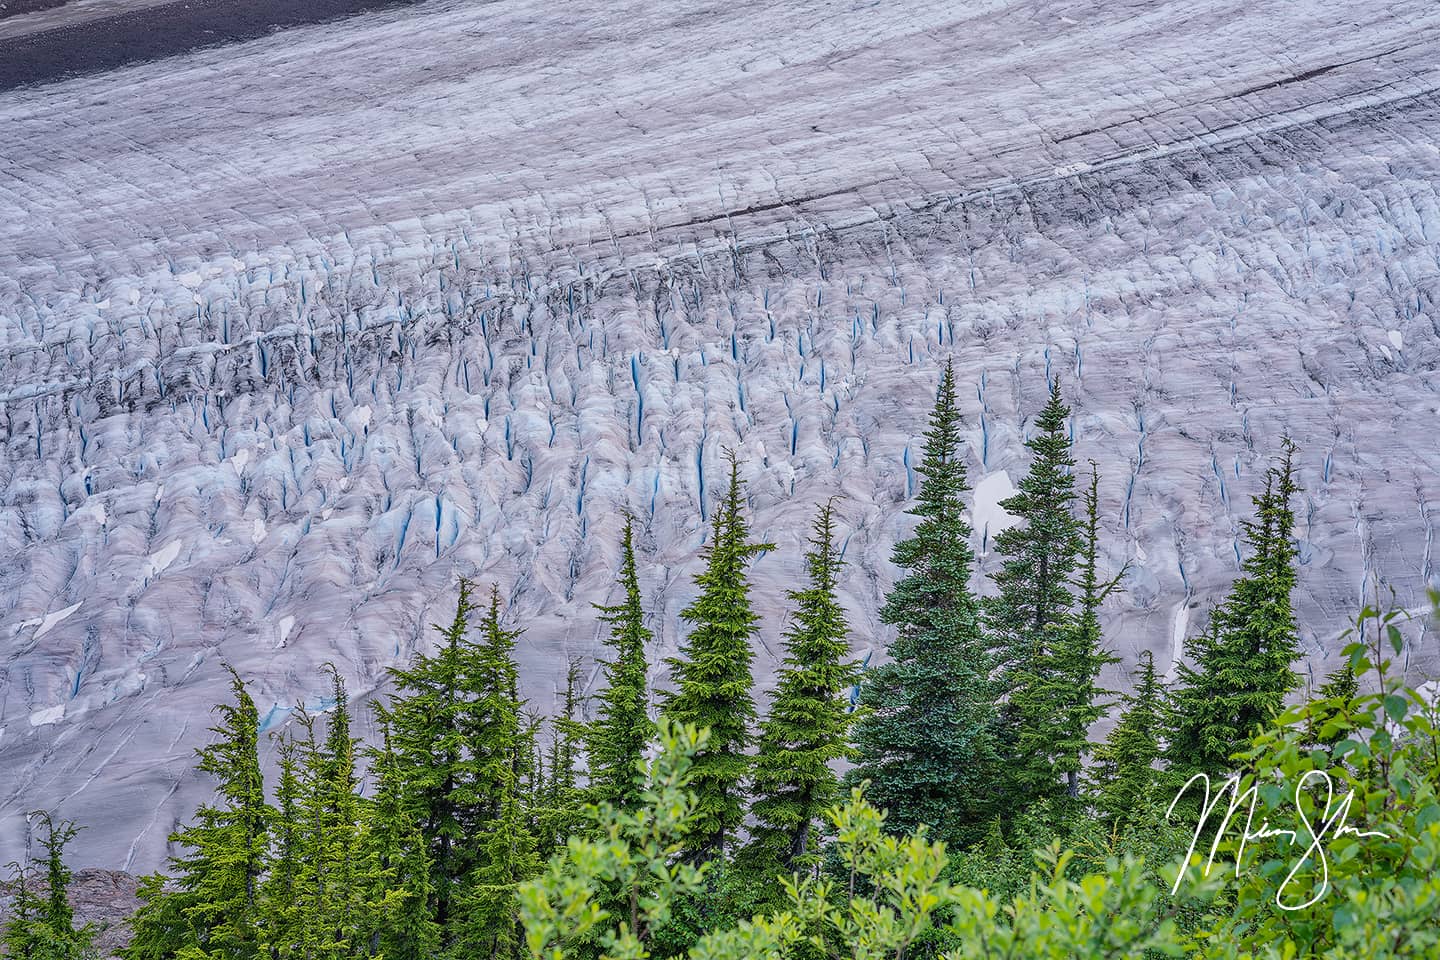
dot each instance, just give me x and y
(1370, 890)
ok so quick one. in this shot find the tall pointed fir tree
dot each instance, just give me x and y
(284, 873)
(1124, 772)
(622, 729)
(554, 796)
(1237, 673)
(713, 679)
(503, 747)
(430, 722)
(396, 872)
(1030, 618)
(926, 741)
(333, 914)
(213, 909)
(43, 928)
(806, 729)
(1057, 695)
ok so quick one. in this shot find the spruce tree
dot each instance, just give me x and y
(214, 908)
(1030, 619)
(503, 747)
(280, 892)
(712, 675)
(1124, 774)
(1041, 551)
(927, 739)
(430, 724)
(554, 796)
(396, 873)
(622, 729)
(25, 931)
(806, 728)
(43, 928)
(1057, 696)
(1240, 670)
(333, 915)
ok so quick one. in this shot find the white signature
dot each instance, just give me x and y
(1332, 824)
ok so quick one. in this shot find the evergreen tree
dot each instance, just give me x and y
(1041, 551)
(807, 725)
(430, 723)
(927, 739)
(1125, 775)
(489, 922)
(333, 916)
(396, 873)
(25, 930)
(280, 892)
(712, 675)
(1056, 700)
(1031, 619)
(43, 928)
(555, 797)
(622, 729)
(214, 908)
(1241, 669)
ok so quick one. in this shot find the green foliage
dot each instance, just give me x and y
(396, 871)
(1241, 668)
(1041, 550)
(712, 676)
(896, 896)
(213, 910)
(43, 927)
(555, 797)
(430, 724)
(1058, 696)
(926, 741)
(806, 729)
(486, 923)
(1047, 661)
(1362, 877)
(1125, 774)
(615, 884)
(622, 729)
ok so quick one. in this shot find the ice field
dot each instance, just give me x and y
(296, 331)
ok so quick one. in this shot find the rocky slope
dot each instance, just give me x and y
(105, 899)
(296, 332)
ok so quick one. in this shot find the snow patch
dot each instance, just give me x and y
(160, 560)
(54, 619)
(1179, 624)
(286, 625)
(49, 715)
(1397, 339)
(94, 510)
(988, 517)
(257, 532)
(241, 458)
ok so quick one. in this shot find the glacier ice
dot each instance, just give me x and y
(297, 331)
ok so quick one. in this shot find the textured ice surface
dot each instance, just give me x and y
(297, 331)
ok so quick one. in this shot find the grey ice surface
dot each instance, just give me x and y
(295, 332)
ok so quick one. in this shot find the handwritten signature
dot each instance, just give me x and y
(1332, 824)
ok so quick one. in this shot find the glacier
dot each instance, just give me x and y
(297, 331)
